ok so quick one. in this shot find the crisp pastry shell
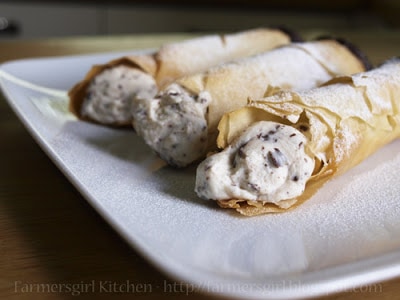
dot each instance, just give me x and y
(178, 59)
(295, 66)
(349, 118)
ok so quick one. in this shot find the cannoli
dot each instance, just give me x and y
(279, 150)
(104, 95)
(180, 123)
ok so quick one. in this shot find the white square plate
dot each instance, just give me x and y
(347, 236)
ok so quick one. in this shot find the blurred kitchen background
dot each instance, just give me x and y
(28, 19)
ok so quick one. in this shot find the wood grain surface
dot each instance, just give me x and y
(53, 243)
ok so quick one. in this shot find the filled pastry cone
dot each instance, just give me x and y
(180, 123)
(279, 150)
(104, 95)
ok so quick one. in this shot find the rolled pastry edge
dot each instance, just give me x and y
(228, 87)
(371, 120)
(170, 62)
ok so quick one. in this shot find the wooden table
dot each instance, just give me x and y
(50, 234)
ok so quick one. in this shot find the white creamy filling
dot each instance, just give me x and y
(266, 163)
(173, 124)
(109, 96)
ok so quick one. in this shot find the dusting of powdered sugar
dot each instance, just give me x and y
(356, 215)
(353, 217)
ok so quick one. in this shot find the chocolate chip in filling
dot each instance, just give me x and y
(264, 164)
(109, 95)
(174, 124)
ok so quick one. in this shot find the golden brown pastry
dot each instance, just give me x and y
(104, 95)
(180, 123)
(279, 150)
